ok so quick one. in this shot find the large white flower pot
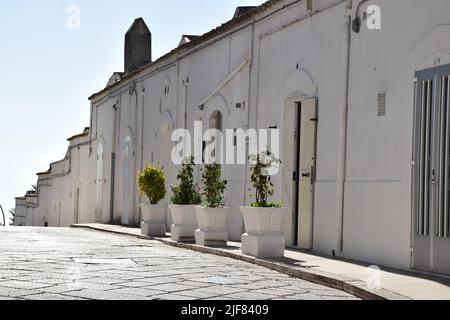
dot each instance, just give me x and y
(184, 220)
(154, 219)
(264, 236)
(212, 223)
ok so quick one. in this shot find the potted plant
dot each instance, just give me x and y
(185, 198)
(212, 216)
(263, 220)
(152, 183)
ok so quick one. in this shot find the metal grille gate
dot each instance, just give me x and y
(431, 174)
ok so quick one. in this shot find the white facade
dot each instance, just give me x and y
(25, 213)
(255, 71)
(64, 191)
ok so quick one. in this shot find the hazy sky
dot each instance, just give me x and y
(47, 70)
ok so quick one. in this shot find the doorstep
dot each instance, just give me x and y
(344, 275)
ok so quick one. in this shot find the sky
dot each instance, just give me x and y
(50, 64)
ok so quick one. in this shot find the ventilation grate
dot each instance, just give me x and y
(382, 104)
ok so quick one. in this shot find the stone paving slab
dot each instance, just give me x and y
(50, 296)
(61, 264)
(342, 274)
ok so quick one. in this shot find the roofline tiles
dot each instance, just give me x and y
(229, 25)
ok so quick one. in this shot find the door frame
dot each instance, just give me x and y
(429, 172)
(296, 101)
(310, 174)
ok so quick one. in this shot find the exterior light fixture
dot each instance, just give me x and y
(356, 23)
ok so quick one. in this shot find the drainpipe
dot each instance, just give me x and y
(342, 142)
(113, 164)
(178, 95)
(185, 84)
(250, 68)
(135, 148)
(142, 140)
(90, 129)
(142, 126)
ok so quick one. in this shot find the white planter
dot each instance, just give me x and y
(264, 236)
(154, 220)
(184, 220)
(212, 223)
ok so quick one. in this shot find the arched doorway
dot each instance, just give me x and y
(99, 181)
(298, 156)
(128, 179)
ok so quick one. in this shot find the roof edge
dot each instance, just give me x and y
(83, 134)
(234, 22)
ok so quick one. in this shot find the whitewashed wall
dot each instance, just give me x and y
(273, 78)
(56, 200)
(44, 185)
(20, 218)
(378, 192)
(25, 210)
(290, 54)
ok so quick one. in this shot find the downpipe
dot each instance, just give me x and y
(342, 142)
(136, 198)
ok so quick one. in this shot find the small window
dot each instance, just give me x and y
(166, 88)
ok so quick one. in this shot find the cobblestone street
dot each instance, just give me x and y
(61, 264)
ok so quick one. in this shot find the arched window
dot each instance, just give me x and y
(216, 122)
(166, 88)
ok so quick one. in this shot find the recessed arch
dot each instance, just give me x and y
(299, 83)
(99, 181)
(297, 87)
(128, 168)
(217, 103)
(167, 122)
(216, 120)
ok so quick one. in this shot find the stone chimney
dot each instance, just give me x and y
(138, 46)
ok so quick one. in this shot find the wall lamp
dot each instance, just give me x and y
(356, 23)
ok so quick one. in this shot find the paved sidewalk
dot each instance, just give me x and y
(345, 275)
(80, 264)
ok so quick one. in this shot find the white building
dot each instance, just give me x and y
(25, 210)
(362, 115)
(63, 192)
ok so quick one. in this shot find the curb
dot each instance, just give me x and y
(352, 286)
